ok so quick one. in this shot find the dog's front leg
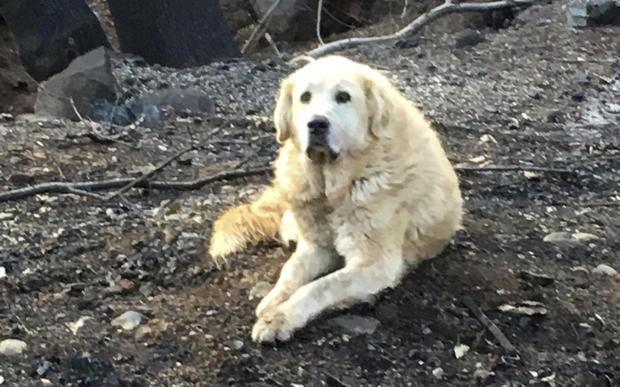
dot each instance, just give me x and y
(313, 256)
(373, 262)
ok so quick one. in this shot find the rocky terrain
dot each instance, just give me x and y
(100, 291)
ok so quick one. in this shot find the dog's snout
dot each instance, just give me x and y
(318, 125)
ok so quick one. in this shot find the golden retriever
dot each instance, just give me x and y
(361, 183)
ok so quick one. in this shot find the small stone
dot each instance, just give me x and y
(75, 326)
(556, 237)
(1, 379)
(2, 272)
(468, 38)
(12, 347)
(238, 344)
(526, 308)
(605, 269)
(143, 332)
(483, 374)
(123, 286)
(578, 95)
(536, 278)
(460, 350)
(584, 236)
(128, 320)
(438, 372)
(260, 290)
(43, 368)
(354, 324)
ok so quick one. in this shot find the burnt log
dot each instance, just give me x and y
(51, 33)
(173, 33)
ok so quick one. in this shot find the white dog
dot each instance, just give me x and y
(361, 181)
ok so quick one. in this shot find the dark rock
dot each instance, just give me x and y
(411, 42)
(51, 33)
(179, 99)
(174, 34)
(578, 95)
(588, 13)
(87, 79)
(468, 38)
(556, 117)
(87, 370)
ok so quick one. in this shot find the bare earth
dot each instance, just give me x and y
(511, 100)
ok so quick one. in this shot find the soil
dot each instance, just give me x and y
(536, 94)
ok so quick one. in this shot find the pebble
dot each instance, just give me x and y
(605, 269)
(260, 290)
(354, 324)
(128, 320)
(460, 350)
(563, 237)
(12, 347)
(237, 344)
(1, 379)
(2, 272)
(438, 372)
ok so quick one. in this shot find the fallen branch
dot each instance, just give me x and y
(412, 28)
(260, 28)
(319, 12)
(494, 329)
(147, 175)
(86, 188)
(510, 168)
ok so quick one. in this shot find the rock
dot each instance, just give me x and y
(260, 290)
(468, 38)
(567, 238)
(190, 33)
(354, 324)
(578, 95)
(438, 372)
(605, 270)
(143, 332)
(88, 79)
(51, 33)
(237, 344)
(43, 368)
(12, 347)
(536, 278)
(460, 350)
(2, 272)
(121, 287)
(483, 374)
(588, 13)
(74, 327)
(87, 370)
(128, 320)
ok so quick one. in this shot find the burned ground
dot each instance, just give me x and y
(537, 94)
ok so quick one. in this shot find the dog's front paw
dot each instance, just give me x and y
(272, 325)
(270, 301)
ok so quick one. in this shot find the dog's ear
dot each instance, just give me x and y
(377, 102)
(283, 114)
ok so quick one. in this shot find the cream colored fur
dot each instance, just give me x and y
(390, 199)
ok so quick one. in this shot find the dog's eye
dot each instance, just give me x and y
(305, 97)
(342, 97)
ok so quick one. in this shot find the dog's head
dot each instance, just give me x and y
(332, 106)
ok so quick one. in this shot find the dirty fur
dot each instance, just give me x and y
(389, 200)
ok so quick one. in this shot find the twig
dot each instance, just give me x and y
(260, 28)
(404, 12)
(273, 44)
(319, 11)
(499, 335)
(410, 29)
(145, 176)
(77, 113)
(508, 168)
(80, 187)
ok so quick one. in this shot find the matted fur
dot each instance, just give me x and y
(389, 200)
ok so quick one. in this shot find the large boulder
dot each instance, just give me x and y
(51, 33)
(88, 79)
(174, 33)
(588, 13)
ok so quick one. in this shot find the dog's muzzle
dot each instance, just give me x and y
(318, 149)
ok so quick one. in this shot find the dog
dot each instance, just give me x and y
(362, 184)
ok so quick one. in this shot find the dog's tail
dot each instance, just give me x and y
(247, 224)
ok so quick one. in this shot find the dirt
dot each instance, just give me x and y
(514, 99)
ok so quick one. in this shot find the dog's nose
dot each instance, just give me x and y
(318, 126)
